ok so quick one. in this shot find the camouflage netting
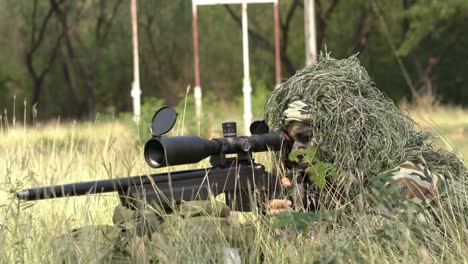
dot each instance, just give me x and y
(357, 127)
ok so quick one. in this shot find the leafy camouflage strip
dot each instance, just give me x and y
(415, 182)
(297, 111)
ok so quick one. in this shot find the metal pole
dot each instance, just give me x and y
(277, 42)
(197, 92)
(247, 88)
(309, 30)
(135, 92)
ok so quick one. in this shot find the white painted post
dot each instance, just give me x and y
(247, 88)
(135, 92)
(277, 42)
(309, 30)
(197, 91)
(136, 95)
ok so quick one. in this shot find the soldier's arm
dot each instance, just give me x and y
(416, 182)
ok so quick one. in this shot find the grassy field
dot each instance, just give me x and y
(57, 153)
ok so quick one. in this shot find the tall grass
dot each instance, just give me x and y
(56, 153)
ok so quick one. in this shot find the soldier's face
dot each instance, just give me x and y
(301, 133)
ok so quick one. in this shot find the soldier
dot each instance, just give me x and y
(347, 136)
(412, 179)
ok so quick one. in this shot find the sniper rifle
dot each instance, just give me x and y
(243, 181)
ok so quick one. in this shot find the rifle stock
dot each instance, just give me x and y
(243, 186)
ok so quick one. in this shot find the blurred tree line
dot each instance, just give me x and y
(73, 58)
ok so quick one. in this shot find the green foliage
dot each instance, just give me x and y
(320, 171)
(430, 18)
(300, 221)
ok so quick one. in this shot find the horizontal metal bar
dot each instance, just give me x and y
(219, 2)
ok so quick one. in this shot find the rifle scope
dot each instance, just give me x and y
(168, 151)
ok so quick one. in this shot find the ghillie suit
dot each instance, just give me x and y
(357, 129)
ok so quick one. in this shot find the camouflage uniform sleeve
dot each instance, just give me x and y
(416, 182)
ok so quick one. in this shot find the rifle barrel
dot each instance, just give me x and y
(104, 186)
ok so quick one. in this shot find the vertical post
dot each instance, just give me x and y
(277, 42)
(135, 92)
(197, 92)
(310, 38)
(247, 88)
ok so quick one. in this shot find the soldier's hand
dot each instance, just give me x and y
(286, 183)
(281, 206)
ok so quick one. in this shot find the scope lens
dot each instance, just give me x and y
(154, 153)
